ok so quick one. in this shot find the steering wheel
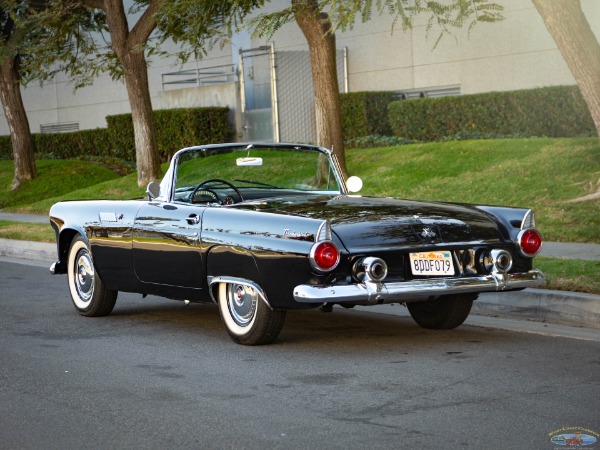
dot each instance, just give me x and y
(216, 180)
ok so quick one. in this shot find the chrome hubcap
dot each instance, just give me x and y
(242, 301)
(84, 276)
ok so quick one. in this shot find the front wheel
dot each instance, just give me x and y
(247, 318)
(88, 293)
(442, 313)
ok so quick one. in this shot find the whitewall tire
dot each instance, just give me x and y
(88, 293)
(247, 318)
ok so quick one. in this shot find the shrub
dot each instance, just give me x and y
(175, 129)
(73, 145)
(549, 112)
(365, 113)
(376, 140)
(5, 148)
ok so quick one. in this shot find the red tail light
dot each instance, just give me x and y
(529, 242)
(324, 256)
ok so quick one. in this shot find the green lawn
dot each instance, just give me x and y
(543, 174)
(55, 179)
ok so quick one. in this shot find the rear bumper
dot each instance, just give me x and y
(373, 293)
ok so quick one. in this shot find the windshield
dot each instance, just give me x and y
(255, 172)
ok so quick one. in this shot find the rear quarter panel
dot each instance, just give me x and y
(269, 249)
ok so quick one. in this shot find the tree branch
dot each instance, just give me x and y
(98, 4)
(145, 25)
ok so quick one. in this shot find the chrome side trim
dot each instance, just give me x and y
(374, 293)
(233, 280)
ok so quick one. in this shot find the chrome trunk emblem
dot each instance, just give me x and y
(428, 233)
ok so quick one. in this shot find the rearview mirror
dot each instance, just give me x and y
(153, 190)
(249, 161)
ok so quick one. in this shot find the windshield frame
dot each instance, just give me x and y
(168, 183)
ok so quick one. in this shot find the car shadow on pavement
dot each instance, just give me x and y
(345, 329)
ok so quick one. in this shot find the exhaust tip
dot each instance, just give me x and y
(370, 269)
(496, 261)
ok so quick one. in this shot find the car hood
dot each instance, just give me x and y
(367, 223)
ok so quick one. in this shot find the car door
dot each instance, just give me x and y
(166, 244)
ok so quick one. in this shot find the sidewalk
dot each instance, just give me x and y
(533, 304)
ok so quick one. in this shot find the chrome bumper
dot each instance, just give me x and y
(373, 293)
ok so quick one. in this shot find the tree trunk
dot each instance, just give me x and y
(146, 148)
(129, 47)
(22, 141)
(578, 46)
(316, 27)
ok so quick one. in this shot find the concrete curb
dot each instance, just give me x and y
(539, 304)
(574, 308)
(38, 251)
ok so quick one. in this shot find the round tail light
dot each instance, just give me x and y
(324, 256)
(529, 242)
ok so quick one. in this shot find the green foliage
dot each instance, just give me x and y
(89, 143)
(343, 14)
(6, 151)
(200, 24)
(365, 113)
(176, 128)
(553, 112)
(376, 140)
(184, 127)
(85, 143)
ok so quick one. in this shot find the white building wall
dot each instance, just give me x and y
(517, 53)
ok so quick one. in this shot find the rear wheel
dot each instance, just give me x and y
(88, 293)
(247, 318)
(443, 313)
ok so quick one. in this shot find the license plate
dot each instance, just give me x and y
(431, 263)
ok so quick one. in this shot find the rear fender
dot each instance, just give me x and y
(233, 263)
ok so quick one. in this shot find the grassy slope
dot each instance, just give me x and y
(542, 174)
(55, 178)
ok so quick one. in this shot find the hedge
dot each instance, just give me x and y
(365, 113)
(176, 128)
(545, 112)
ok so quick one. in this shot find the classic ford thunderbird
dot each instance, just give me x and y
(260, 229)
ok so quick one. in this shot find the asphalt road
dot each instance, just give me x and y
(158, 374)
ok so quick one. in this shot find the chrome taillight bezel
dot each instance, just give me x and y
(313, 260)
(519, 242)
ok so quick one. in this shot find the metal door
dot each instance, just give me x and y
(257, 94)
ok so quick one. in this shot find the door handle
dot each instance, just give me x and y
(193, 219)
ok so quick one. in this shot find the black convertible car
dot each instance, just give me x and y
(260, 229)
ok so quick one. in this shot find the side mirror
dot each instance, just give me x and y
(354, 184)
(153, 190)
